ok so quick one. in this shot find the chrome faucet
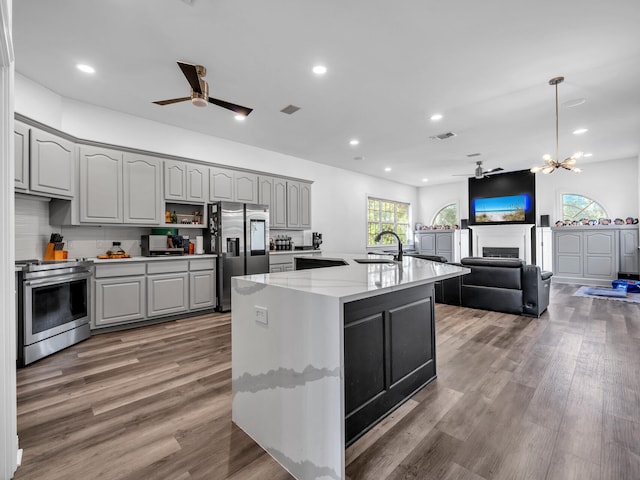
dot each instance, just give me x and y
(398, 257)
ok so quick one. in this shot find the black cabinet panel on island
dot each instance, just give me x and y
(389, 354)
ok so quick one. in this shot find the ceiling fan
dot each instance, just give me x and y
(479, 173)
(200, 91)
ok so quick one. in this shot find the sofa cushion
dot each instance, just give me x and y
(489, 298)
(498, 277)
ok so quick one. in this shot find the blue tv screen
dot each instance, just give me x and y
(511, 208)
(503, 198)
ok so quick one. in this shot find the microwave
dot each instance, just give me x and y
(155, 245)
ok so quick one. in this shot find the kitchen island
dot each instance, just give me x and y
(319, 356)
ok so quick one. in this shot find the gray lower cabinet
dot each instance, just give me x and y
(436, 242)
(202, 283)
(119, 294)
(629, 251)
(595, 254)
(167, 287)
(128, 292)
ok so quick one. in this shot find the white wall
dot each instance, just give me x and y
(338, 196)
(432, 198)
(612, 183)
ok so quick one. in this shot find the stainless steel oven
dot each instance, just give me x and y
(54, 309)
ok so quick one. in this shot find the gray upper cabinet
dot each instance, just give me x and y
(305, 205)
(21, 155)
(245, 187)
(197, 183)
(221, 183)
(100, 185)
(175, 180)
(185, 181)
(273, 192)
(293, 205)
(142, 186)
(52, 161)
(278, 208)
(232, 185)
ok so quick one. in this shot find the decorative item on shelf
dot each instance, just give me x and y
(174, 217)
(197, 218)
(167, 217)
(551, 164)
(618, 221)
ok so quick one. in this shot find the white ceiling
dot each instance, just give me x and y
(391, 64)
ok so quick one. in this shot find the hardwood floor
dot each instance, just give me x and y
(550, 398)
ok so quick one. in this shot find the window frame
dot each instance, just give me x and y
(561, 204)
(409, 240)
(455, 204)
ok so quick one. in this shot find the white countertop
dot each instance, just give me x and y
(294, 252)
(355, 280)
(163, 258)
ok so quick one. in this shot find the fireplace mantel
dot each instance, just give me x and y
(516, 236)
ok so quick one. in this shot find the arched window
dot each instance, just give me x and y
(576, 207)
(447, 215)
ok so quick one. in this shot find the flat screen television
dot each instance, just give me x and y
(508, 198)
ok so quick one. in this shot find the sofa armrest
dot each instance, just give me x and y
(536, 286)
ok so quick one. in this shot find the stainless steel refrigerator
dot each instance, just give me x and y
(238, 233)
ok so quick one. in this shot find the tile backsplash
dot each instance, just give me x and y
(33, 229)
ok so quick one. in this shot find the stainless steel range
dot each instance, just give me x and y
(53, 307)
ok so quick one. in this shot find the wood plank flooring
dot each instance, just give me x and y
(555, 398)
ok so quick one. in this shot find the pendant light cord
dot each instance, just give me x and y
(557, 157)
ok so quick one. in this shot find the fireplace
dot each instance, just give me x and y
(503, 252)
(517, 237)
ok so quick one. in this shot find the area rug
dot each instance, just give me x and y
(603, 293)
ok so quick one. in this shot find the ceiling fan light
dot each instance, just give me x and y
(198, 102)
(570, 161)
(548, 169)
(546, 157)
(535, 169)
(577, 155)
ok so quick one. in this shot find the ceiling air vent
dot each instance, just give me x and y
(473, 155)
(443, 136)
(289, 109)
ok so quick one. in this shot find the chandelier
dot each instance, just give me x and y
(551, 164)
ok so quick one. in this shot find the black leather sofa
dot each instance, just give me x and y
(498, 284)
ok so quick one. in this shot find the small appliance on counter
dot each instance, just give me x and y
(317, 240)
(115, 251)
(155, 245)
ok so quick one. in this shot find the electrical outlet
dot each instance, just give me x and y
(261, 315)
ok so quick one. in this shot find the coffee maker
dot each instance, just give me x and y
(317, 240)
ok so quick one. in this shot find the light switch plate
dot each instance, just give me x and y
(262, 315)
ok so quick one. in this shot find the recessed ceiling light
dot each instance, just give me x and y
(358, 158)
(425, 180)
(240, 118)
(319, 69)
(580, 131)
(588, 154)
(436, 116)
(387, 169)
(354, 142)
(85, 68)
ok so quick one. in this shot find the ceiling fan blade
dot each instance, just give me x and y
(494, 170)
(231, 106)
(191, 72)
(173, 100)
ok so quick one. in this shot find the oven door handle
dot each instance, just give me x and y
(43, 282)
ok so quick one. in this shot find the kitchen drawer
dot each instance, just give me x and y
(119, 270)
(281, 258)
(167, 266)
(202, 264)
